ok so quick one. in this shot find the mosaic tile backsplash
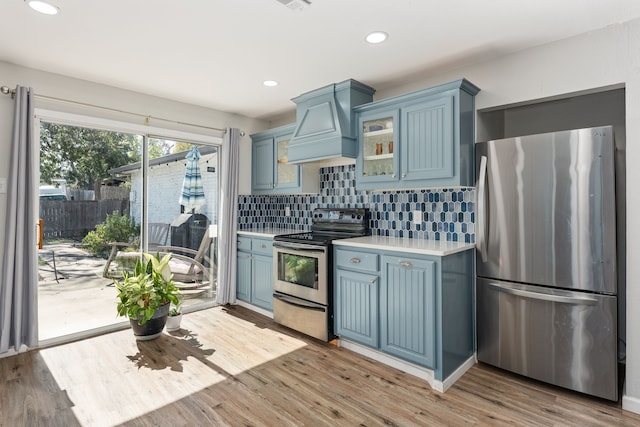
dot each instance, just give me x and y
(447, 213)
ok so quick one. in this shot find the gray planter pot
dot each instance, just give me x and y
(153, 328)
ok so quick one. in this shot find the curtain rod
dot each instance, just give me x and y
(5, 90)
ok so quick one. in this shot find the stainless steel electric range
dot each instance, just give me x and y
(303, 270)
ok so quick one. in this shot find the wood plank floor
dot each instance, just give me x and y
(230, 366)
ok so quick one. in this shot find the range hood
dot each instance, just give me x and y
(325, 124)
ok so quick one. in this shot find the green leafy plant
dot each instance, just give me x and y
(150, 286)
(115, 228)
(175, 310)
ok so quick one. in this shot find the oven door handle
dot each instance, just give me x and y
(296, 302)
(299, 247)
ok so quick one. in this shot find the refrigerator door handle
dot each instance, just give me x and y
(563, 299)
(481, 243)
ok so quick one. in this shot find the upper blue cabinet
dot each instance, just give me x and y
(271, 174)
(420, 139)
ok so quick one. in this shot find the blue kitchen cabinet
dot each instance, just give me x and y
(356, 296)
(255, 271)
(417, 140)
(428, 142)
(243, 275)
(262, 291)
(378, 162)
(356, 308)
(418, 308)
(407, 309)
(262, 174)
(270, 172)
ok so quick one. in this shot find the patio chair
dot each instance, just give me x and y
(158, 235)
(188, 265)
(191, 268)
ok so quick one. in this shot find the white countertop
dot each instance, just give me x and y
(267, 232)
(417, 246)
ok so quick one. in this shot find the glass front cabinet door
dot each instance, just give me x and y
(287, 174)
(378, 141)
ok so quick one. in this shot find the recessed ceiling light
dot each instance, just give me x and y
(270, 83)
(376, 37)
(43, 7)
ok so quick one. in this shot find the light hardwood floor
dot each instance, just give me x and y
(230, 366)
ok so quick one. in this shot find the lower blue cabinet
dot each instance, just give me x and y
(356, 307)
(255, 271)
(262, 291)
(416, 307)
(407, 309)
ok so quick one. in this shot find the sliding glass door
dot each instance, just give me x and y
(106, 197)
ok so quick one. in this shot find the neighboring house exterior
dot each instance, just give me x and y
(166, 175)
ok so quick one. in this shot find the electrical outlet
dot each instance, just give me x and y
(417, 217)
(287, 211)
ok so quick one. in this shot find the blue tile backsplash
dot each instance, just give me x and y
(447, 213)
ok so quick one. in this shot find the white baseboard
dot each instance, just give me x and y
(410, 368)
(394, 362)
(629, 403)
(458, 373)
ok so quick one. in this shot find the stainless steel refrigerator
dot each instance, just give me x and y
(546, 258)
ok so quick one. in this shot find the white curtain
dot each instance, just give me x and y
(228, 218)
(19, 286)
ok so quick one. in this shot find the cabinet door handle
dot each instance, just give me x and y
(373, 281)
(404, 175)
(405, 263)
(393, 176)
(355, 260)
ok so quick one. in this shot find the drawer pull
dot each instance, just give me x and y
(355, 260)
(263, 246)
(405, 263)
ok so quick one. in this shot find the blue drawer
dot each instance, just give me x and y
(262, 246)
(356, 260)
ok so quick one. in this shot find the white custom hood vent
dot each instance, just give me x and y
(325, 123)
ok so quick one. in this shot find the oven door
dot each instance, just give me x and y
(300, 270)
(304, 316)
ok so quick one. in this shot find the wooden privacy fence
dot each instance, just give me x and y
(73, 219)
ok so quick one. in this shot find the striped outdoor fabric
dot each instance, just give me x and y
(192, 195)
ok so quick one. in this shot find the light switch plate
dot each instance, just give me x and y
(3, 185)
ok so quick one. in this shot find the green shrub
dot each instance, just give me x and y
(115, 228)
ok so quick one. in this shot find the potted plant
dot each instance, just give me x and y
(145, 295)
(175, 317)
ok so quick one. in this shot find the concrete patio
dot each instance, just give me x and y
(73, 297)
